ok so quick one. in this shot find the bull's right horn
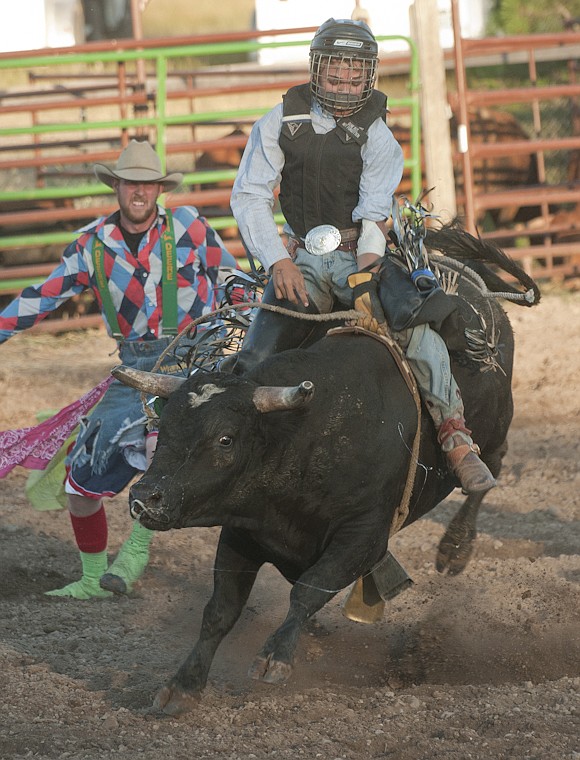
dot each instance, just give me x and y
(153, 383)
(276, 399)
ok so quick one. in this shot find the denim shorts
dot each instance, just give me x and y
(110, 448)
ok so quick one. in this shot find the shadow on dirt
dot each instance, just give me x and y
(551, 536)
(440, 631)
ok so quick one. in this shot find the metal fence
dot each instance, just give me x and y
(516, 129)
(69, 110)
(517, 100)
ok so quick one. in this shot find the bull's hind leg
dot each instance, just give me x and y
(234, 578)
(456, 546)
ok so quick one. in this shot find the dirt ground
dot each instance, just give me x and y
(483, 665)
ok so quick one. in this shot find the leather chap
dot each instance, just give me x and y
(269, 333)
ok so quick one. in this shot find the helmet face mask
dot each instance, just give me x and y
(341, 84)
(343, 66)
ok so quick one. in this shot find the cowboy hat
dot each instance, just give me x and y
(138, 162)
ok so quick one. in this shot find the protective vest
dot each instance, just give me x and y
(321, 175)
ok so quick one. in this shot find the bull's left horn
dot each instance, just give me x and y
(276, 399)
(147, 382)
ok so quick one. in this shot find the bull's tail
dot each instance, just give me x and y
(456, 243)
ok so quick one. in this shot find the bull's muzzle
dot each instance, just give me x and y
(139, 510)
(136, 508)
(147, 504)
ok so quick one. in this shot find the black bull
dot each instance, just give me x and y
(310, 480)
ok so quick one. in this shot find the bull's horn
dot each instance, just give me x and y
(147, 382)
(275, 399)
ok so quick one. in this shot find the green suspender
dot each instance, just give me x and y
(169, 282)
(98, 254)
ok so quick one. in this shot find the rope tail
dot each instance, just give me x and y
(456, 243)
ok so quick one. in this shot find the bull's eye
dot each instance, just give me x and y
(226, 441)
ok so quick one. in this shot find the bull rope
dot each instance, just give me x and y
(457, 268)
(350, 314)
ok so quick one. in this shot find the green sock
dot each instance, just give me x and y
(88, 586)
(130, 562)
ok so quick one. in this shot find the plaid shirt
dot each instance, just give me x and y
(203, 265)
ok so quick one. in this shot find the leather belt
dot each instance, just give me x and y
(350, 235)
(348, 247)
(348, 241)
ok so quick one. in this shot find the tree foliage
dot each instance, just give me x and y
(533, 16)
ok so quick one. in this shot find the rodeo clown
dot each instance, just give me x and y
(153, 271)
(328, 149)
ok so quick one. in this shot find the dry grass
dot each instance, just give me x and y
(172, 18)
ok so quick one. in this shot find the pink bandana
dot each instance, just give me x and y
(34, 447)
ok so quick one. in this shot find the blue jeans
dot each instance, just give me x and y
(428, 358)
(326, 277)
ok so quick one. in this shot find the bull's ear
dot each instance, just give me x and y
(276, 399)
(152, 383)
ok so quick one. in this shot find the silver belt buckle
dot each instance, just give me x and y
(322, 239)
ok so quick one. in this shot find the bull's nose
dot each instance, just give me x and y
(138, 510)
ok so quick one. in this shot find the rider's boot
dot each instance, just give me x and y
(429, 359)
(462, 456)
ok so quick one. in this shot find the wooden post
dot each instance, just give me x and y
(435, 112)
(140, 110)
(138, 35)
(463, 125)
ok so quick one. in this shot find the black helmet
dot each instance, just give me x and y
(345, 52)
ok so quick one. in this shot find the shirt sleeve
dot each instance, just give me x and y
(204, 263)
(253, 193)
(68, 279)
(227, 265)
(381, 174)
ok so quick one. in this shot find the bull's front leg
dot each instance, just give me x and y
(348, 556)
(234, 577)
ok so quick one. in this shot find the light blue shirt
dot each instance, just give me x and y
(260, 172)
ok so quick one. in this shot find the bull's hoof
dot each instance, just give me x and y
(457, 544)
(173, 701)
(270, 671)
(453, 556)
